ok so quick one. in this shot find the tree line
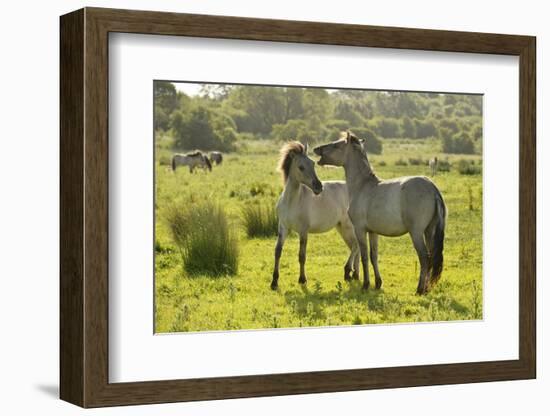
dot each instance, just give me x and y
(221, 115)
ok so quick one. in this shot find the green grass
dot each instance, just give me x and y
(199, 302)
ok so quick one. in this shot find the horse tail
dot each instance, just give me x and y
(440, 217)
(173, 163)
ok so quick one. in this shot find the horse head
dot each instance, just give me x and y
(335, 153)
(296, 164)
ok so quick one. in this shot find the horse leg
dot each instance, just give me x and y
(278, 251)
(373, 244)
(422, 251)
(429, 240)
(360, 235)
(349, 238)
(356, 258)
(302, 258)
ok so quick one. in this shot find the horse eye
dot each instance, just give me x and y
(301, 168)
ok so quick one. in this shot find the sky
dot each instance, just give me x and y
(193, 89)
(187, 88)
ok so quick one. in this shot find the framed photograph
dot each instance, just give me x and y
(255, 207)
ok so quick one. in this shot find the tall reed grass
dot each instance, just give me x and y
(203, 236)
(260, 220)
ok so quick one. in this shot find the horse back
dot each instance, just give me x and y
(392, 207)
(418, 201)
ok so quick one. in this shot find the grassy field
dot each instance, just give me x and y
(245, 300)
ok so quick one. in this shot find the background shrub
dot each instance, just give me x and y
(289, 131)
(203, 128)
(387, 127)
(416, 161)
(468, 167)
(444, 165)
(408, 128)
(425, 128)
(203, 237)
(373, 144)
(459, 143)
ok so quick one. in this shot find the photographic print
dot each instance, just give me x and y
(289, 206)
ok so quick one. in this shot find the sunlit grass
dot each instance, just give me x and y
(245, 300)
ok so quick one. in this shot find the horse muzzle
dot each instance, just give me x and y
(319, 152)
(317, 187)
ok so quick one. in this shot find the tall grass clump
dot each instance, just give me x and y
(204, 239)
(260, 220)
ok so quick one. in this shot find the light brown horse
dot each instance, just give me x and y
(308, 205)
(391, 208)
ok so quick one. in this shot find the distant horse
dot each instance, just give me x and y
(391, 208)
(216, 157)
(434, 165)
(194, 160)
(308, 205)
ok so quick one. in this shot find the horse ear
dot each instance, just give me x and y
(351, 138)
(305, 148)
(363, 143)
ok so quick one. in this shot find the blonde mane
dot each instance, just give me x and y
(285, 160)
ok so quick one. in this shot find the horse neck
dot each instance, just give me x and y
(358, 171)
(293, 189)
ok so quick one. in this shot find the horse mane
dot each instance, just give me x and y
(292, 147)
(194, 154)
(350, 137)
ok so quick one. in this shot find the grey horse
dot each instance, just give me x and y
(308, 205)
(390, 208)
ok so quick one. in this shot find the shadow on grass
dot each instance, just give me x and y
(444, 302)
(312, 302)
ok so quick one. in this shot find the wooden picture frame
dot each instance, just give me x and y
(84, 207)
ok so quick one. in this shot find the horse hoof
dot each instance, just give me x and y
(347, 274)
(355, 276)
(302, 280)
(378, 285)
(274, 286)
(365, 288)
